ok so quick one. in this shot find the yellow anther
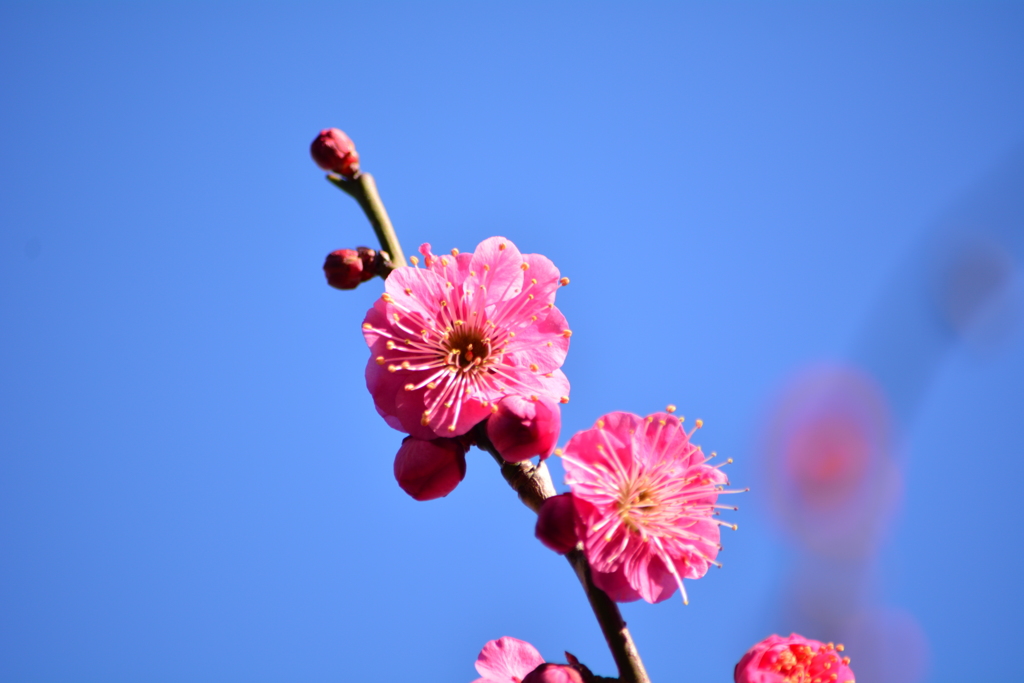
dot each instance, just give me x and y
(386, 297)
(525, 265)
(414, 260)
(380, 360)
(410, 387)
(670, 408)
(390, 345)
(530, 297)
(840, 647)
(396, 317)
(600, 424)
(661, 422)
(486, 267)
(533, 317)
(443, 303)
(451, 428)
(564, 399)
(472, 273)
(511, 334)
(533, 281)
(494, 407)
(501, 247)
(533, 366)
(548, 344)
(425, 420)
(698, 423)
(408, 290)
(444, 260)
(392, 368)
(549, 374)
(367, 326)
(558, 452)
(455, 252)
(534, 397)
(458, 322)
(566, 333)
(564, 281)
(405, 365)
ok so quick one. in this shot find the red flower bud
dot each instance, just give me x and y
(332, 150)
(556, 523)
(430, 469)
(554, 673)
(344, 269)
(522, 428)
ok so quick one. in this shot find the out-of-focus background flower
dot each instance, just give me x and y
(803, 223)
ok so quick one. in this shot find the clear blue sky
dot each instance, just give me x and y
(194, 484)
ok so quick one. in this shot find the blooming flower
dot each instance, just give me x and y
(645, 501)
(450, 340)
(793, 660)
(507, 660)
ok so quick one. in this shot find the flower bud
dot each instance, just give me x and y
(554, 673)
(556, 523)
(371, 262)
(344, 269)
(332, 150)
(430, 469)
(522, 428)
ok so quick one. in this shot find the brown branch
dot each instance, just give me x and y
(534, 485)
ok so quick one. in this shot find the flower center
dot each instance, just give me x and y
(466, 349)
(636, 501)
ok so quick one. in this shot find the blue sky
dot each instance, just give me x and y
(194, 484)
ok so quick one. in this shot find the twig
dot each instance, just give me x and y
(363, 189)
(534, 485)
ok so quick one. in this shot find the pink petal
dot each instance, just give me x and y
(507, 660)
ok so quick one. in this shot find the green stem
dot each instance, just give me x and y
(363, 189)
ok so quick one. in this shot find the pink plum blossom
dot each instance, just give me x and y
(793, 660)
(450, 340)
(646, 501)
(506, 660)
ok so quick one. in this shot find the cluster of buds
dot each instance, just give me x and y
(346, 268)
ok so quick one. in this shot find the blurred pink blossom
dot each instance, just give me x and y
(793, 660)
(450, 340)
(645, 502)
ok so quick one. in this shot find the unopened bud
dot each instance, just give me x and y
(371, 262)
(556, 523)
(332, 150)
(344, 269)
(522, 428)
(554, 673)
(430, 469)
